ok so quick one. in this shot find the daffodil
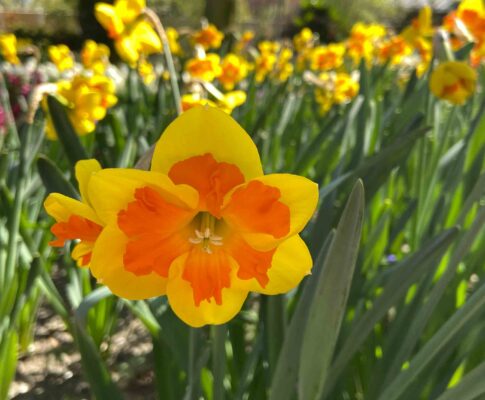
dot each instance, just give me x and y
(133, 38)
(227, 102)
(173, 37)
(8, 48)
(209, 37)
(76, 220)
(283, 67)
(420, 27)
(325, 58)
(454, 81)
(303, 40)
(335, 88)
(204, 226)
(146, 71)
(233, 70)
(394, 50)
(86, 100)
(61, 56)
(363, 40)
(243, 42)
(95, 56)
(204, 67)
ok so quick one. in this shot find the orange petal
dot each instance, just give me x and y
(255, 208)
(212, 179)
(75, 227)
(153, 226)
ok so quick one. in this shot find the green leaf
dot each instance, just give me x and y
(8, 360)
(329, 303)
(470, 387)
(406, 273)
(89, 301)
(441, 341)
(65, 131)
(53, 179)
(284, 380)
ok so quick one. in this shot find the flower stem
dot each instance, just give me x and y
(157, 24)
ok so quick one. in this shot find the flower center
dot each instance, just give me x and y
(205, 234)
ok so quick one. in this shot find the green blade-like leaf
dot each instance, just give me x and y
(285, 376)
(65, 131)
(328, 307)
(470, 387)
(8, 359)
(472, 309)
(53, 179)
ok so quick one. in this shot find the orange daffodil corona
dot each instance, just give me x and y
(204, 226)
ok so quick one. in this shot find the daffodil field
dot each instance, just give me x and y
(286, 218)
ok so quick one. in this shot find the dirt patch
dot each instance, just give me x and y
(51, 368)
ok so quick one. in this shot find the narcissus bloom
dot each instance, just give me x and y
(325, 58)
(95, 56)
(233, 70)
(209, 37)
(303, 40)
(76, 220)
(86, 100)
(227, 101)
(132, 37)
(454, 81)
(204, 226)
(204, 67)
(8, 48)
(61, 56)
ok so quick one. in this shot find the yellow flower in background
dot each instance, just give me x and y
(233, 70)
(86, 100)
(268, 47)
(454, 81)
(325, 58)
(394, 50)
(303, 40)
(146, 71)
(424, 48)
(243, 42)
(95, 56)
(76, 220)
(363, 40)
(208, 37)
(8, 48)
(335, 88)
(283, 67)
(263, 65)
(205, 67)
(421, 26)
(173, 41)
(227, 103)
(133, 38)
(61, 56)
(204, 226)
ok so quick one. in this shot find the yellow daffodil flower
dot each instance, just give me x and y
(204, 226)
(394, 50)
(283, 67)
(420, 27)
(243, 42)
(133, 38)
(86, 100)
(208, 37)
(95, 56)
(454, 81)
(8, 48)
(146, 71)
(61, 56)
(335, 88)
(303, 40)
(76, 220)
(205, 67)
(325, 58)
(264, 64)
(227, 102)
(233, 70)
(173, 41)
(363, 40)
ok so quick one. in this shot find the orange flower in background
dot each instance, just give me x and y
(204, 67)
(454, 81)
(209, 37)
(394, 50)
(325, 58)
(76, 220)
(204, 226)
(233, 70)
(363, 41)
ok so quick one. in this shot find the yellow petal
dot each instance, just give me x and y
(298, 193)
(147, 38)
(202, 130)
(181, 300)
(291, 263)
(110, 190)
(106, 15)
(107, 266)
(61, 207)
(80, 250)
(84, 170)
(127, 48)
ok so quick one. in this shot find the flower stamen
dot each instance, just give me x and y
(205, 235)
